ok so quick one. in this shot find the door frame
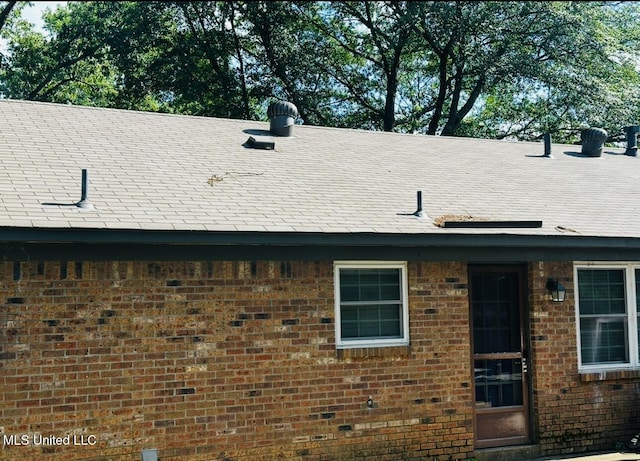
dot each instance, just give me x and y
(521, 272)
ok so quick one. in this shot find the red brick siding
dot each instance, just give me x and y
(572, 414)
(237, 361)
(227, 360)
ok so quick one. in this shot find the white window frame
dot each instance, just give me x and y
(632, 315)
(404, 294)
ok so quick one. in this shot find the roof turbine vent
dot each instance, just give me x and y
(593, 141)
(282, 116)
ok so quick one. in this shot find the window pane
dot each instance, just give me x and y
(371, 321)
(349, 293)
(389, 312)
(349, 285)
(349, 313)
(349, 276)
(390, 329)
(370, 284)
(603, 316)
(369, 293)
(368, 314)
(368, 276)
(369, 329)
(390, 292)
(603, 340)
(349, 329)
(601, 291)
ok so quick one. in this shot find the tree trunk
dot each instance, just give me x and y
(456, 116)
(389, 121)
(243, 80)
(442, 95)
(4, 14)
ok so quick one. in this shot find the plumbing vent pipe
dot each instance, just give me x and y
(632, 139)
(282, 116)
(593, 141)
(84, 199)
(547, 145)
(419, 213)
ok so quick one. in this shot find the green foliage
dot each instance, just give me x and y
(72, 65)
(8, 12)
(586, 78)
(463, 68)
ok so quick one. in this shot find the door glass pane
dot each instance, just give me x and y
(496, 313)
(498, 383)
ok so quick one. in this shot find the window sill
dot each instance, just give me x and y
(380, 351)
(606, 375)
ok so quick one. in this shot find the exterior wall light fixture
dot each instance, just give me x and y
(556, 290)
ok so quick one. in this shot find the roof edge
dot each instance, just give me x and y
(41, 235)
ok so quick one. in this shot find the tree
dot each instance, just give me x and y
(5, 11)
(196, 63)
(369, 42)
(70, 67)
(491, 69)
(287, 59)
(549, 65)
(8, 11)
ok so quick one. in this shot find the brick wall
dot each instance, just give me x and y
(237, 361)
(225, 361)
(574, 413)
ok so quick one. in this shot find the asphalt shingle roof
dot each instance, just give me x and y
(152, 171)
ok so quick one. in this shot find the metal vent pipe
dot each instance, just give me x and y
(84, 195)
(419, 213)
(547, 145)
(632, 139)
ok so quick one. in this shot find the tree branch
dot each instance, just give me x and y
(4, 14)
(35, 93)
(356, 94)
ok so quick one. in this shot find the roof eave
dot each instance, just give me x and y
(133, 244)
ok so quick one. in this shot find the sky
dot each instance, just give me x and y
(33, 13)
